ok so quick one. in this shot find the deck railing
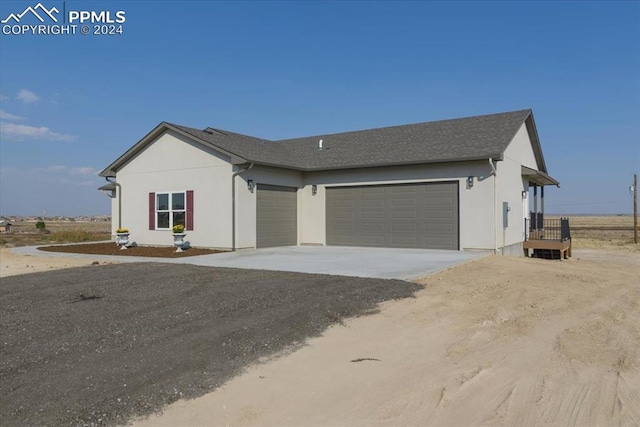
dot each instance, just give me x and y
(538, 228)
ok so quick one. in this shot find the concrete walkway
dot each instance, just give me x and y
(386, 263)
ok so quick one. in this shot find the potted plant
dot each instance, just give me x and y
(178, 236)
(122, 237)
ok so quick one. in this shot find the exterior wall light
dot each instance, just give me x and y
(524, 194)
(314, 190)
(251, 185)
(470, 182)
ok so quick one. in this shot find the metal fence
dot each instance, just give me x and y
(538, 228)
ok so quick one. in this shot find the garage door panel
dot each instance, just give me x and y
(350, 215)
(440, 216)
(368, 191)
(371, 214)
(345, 228)
(404, 215)
(422, 215)
(403, 203)
(404, 242)
(276, 216)
(411, 228)
(373, 240)
(441, 243)
(375, 227)
(402, 189)
(372, 203)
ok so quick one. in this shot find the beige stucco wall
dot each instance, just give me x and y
(520, 149)
(511, 184)
(172, 163)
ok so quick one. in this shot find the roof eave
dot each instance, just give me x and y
(530, 123)
(111, 170)
(496, 157)
(108, 187)
(539, 177)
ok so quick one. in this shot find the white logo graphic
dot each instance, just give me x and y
(40, 7)
(69, 22)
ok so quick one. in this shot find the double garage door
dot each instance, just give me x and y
(423, 215)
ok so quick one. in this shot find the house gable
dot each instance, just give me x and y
(170, 151)
(154, 135)
(521, 150)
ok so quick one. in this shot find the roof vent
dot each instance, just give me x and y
(320, 145)
(211, 131)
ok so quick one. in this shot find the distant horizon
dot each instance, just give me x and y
(109, 215)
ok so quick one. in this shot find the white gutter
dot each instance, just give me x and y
(233, 205)
(119, 187)
(494, 172)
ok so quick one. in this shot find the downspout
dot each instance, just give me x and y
(233, 205)
(494, 172)
(119, 187)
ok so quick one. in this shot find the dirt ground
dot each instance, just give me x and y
(12, 264)
(499, 341)
(98, 345)
(110, 248)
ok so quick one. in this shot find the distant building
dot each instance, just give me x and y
(5, 227)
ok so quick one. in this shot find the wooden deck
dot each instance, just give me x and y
(563, 246)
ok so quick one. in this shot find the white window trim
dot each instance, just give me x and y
(170, 211)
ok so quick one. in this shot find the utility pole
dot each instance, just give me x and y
(635, 208)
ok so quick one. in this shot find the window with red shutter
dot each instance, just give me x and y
(169, 209)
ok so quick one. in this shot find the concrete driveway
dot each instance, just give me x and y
(382, 263)
(386, 263)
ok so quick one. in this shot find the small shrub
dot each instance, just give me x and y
(40, 225)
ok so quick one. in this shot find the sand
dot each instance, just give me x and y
(498, 341)
(12, 264)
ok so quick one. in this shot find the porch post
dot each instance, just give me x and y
(535, 199)
(542, 200)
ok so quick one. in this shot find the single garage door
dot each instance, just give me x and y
(423, 215)
(277, 216)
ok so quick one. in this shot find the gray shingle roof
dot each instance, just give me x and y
(250, 148)
(470, 138)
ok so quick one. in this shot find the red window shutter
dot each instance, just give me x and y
(152, 211)
(189, 210)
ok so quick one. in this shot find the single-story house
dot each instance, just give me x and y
(460, 184)
(5, 227)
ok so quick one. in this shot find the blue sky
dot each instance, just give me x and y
(71, 104)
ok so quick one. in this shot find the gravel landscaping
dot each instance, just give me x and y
(102, 344)
(144, 251)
